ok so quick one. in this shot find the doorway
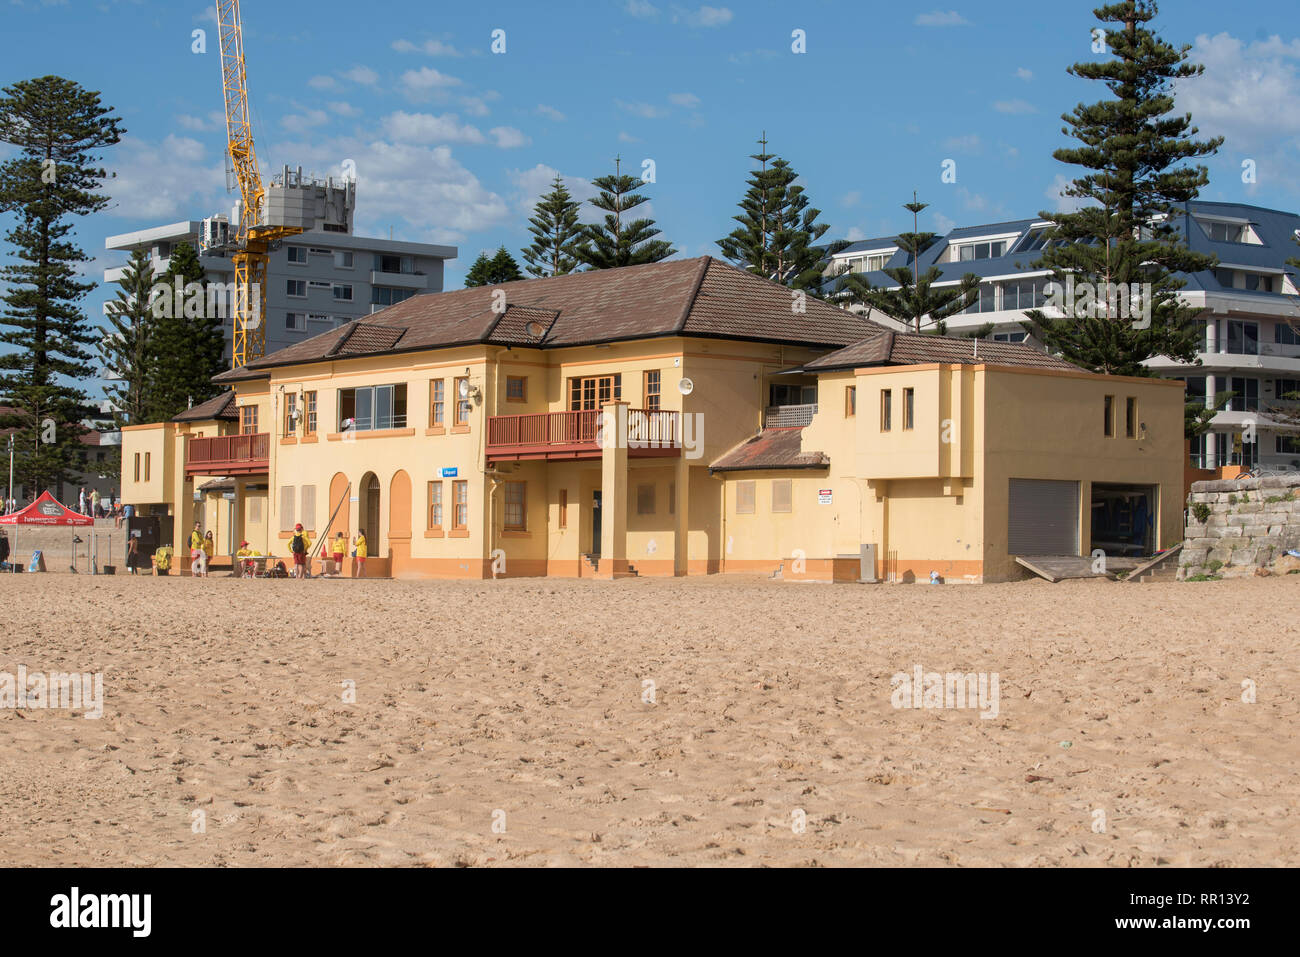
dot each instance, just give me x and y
(1123, 519)
(370, 509)
(595, 524)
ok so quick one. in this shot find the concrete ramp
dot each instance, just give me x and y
(1056, 568)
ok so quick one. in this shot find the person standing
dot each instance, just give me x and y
(359, 552)
(299, 545)
(209, 549)
(94, 503)
(196, 551)
(81, 500)
(133, 555)
(340, 551)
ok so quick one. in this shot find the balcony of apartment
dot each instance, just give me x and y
(229, 455)
(399, 280)
(576, 435)
(1267, 357)
(788, 416)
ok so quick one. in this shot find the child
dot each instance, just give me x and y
(162, 560)
(340, 549)
(359, 552)
(209, 549)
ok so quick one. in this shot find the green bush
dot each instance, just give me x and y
(1202, 512)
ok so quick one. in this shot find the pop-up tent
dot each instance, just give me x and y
(46, 511)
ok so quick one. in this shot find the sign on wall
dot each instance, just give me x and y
(450, 473)
(824, 496)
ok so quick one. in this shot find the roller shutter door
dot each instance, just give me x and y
(1043, 518)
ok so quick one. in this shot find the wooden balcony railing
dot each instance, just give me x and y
(228, 455)
(577, 434)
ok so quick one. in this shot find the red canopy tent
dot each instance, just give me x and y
(46, 511)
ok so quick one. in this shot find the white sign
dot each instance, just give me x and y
(824, 496)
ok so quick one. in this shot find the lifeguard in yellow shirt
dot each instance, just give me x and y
(359, 552)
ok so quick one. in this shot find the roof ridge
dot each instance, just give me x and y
(680, 326)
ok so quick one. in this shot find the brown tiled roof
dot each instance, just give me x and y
(771, 449)
(910, 348)
(220, 407)
(690, 297)
(365, 338)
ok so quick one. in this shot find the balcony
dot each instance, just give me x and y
(788, 416)
(229, 455)
(576, 435)
(399, 280)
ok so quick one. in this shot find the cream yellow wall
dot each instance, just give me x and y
(159, 443)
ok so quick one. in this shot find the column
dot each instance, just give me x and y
(613, 492)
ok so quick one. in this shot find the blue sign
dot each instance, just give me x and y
(450, 473)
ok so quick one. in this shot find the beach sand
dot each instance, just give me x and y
(521, 704)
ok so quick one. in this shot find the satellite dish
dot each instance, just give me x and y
(536, 329)
(685, 386)
(464, 388)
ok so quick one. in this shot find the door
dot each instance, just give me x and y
(595, 523)
(1043, 517)
(371, 502)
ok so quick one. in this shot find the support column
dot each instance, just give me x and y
(613, 492)
(682, 507)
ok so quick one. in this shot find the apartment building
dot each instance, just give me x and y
(683, 417)
(316, 281)
(1251, 315)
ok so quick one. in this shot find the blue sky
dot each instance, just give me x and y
(453, 143)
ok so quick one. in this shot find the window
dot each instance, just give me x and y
(1109, 426)
(909, 409)
(333, 228)
(886, 410)
(286, 508)
(1284, 334)
(297, 255)
(1008, 337)
(850, 401)
(645, 499)
(781, 495)
(387, 296)
(290, 408)
(967, 252)
(878, 262)
(437, 396)
(307, 508)
(516, 388)
(435, 506)
(462, 402)
(1288, 445)
(1286, 390)
(744, 498)
(373, 408)
(310, 403)
(343, 292)
(1243, 338)
(295, 320)
(1196, 389)
(460, 505)
(248, 420)
(1246, 394)
(1130, 417)
(1224, 232)
(146, 465)
(516, 507)
(137, 466)
(296, 288)
(342, 259)
(390, 264)
(564, 508)
(594, 391)
(1036, 239)
(652, 394)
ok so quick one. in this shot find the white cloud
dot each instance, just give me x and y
(530, 184)
(163, 182)
(343, 108)
(646, 111)
(851, 199)
(688, 100)
(708, 17)
(508, 137)
(1055, 194)
(1014, 107)
(939, 18)
(474, 105)
(970, 143)
(1024, 74)
(550, 112)
(627, 138)
(641, 9)
(301, 122)
(427, 78)
(322, 83)
(855, 235)
(428, 48)
(194, 123)
(362, 75)
(425, 128)
(943, 225)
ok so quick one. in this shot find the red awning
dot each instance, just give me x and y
(46, 511)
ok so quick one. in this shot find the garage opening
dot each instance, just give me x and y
(1043, 517)
(1123, 518)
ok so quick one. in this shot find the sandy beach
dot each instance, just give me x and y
(511, 723)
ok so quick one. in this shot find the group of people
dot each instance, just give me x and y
(202, 548)
(300, 549)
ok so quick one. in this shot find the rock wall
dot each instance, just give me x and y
(1235, 528)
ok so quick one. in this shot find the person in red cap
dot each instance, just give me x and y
(299, 545)
(247, 567)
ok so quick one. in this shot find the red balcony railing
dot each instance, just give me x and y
(576, 434)
(229, 455)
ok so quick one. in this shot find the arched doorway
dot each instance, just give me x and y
(369, 512)
(341, 499)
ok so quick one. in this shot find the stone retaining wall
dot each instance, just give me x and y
(1235, 528)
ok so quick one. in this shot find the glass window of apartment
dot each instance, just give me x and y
(1242, 338)
(886, 410)
(516, 506)
(1197, 450)
(295, 288)
(387, 296)
(297, 255)
(1196, 388)
(1109, 426)
(460, 505)
(850, 401)
(248, 420)
(1130, 417)
(516, 388)
(389, 264)
(290, 414)
(1245, 394)
(745, 498)
(645, 499)
(1285, 334)
(1009, 337)
(1286, 390)
(878, 262)
(462, 401)
(137, 466)
(309, 402)
(373, 408)
(1036, 239)
(1287, 444)
(909, 409)
(296, 321)
(1259, 282)
(437, 403)
(435, 506)
(1226, 277)
(342, 259)
(652, 395)
(781, 496)
(968, 252)
(1224, 232)
(343, 292)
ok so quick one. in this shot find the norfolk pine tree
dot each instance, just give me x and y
(58, 128)
(488, 272)
(124, 350)
(556, 234)
(187, 344)
(618, 241)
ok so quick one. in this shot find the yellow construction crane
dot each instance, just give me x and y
(254, 233)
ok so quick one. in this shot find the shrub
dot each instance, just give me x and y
(1202, 512)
